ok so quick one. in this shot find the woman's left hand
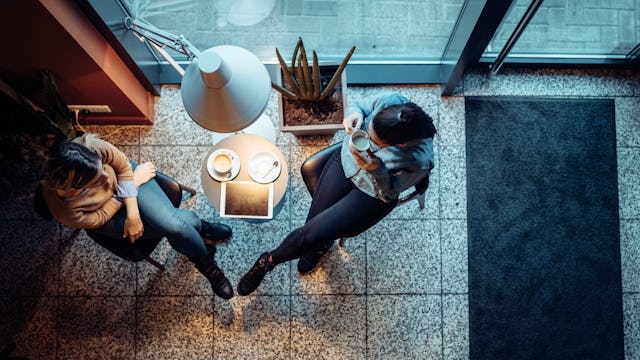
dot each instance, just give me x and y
(133, 228)
(366, 161)
(143, 173)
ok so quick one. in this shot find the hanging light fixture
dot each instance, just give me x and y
(224, 89)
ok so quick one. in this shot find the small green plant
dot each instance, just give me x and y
(304, 82)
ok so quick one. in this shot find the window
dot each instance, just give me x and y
(399, 41)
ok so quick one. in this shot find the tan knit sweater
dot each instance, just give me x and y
(95, 206)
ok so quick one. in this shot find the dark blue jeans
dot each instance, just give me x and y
(338, 209)
(160, 219)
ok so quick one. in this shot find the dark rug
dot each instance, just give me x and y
(544, 247)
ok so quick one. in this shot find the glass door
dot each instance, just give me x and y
(571, 31)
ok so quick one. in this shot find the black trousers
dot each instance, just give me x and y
(338, 209)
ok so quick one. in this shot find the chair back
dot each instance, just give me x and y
(138, 251)
(418, 193)
(312, 167)
(170, 187)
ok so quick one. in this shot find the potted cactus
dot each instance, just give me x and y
(312, 98)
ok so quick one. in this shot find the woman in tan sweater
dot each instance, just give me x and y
(88, 182)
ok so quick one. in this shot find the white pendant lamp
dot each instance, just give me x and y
(225, 88)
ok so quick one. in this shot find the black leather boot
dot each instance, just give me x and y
(219, 283)
(214, 232)
(252, 279)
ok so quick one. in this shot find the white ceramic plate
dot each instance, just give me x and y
(235, 165)
(262, 168)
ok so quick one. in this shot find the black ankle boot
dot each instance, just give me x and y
(214, 231)
(219, 283)
(252, 279)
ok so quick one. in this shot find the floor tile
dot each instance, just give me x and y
(174, 327)
(299, 195)
(179, 277)
(253, 327)
(170, 123)
(30, 323)
(425, 96)
(404, 327)
(117, 135)
(627, 121)
(455, 326)
(30, 262)
(167, 104)
(299, 200)
(328, 327)
(318, 141)
(199, 204)
(20, 201)
(273, 113)
(453, 235)
(96, 328)
(403, 257)
(551, 82)
(249, 241)
(629, 182)
(411, 210)
(89, 269)
(341, 271)
(630, 254)
(131, 151)
(451, 126)
(183, 163)
(631, 308)
(453, 182)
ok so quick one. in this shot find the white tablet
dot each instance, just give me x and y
(246, 199)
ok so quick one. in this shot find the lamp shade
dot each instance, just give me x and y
(225, 88)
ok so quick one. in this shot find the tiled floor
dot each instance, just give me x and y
(398, 291)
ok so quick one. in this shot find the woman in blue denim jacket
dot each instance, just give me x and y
(356, 189)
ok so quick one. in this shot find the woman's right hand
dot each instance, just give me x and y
(143, 173)
(352, 122)
(133, 227)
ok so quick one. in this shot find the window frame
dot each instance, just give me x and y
(476, 25)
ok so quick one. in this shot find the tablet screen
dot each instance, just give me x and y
(246, 199)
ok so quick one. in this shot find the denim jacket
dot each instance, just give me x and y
(401, 168)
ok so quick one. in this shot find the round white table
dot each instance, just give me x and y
(245, 145)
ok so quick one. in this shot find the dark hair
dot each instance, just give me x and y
(401, 123)
(72, 165)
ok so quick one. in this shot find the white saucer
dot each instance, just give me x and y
(261, 167)
(235, 165)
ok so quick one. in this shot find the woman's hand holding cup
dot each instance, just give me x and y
(361, 149)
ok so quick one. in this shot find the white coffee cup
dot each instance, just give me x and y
(222, 163)
(359, 141)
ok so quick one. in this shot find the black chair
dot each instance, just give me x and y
(142, 248)
(313, 165)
